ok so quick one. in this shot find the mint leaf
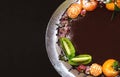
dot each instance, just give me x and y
(116, 65)
(117, 8)
(116, 11)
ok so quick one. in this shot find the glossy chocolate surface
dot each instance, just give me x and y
(97, 35)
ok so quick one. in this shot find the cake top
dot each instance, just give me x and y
(73, 16)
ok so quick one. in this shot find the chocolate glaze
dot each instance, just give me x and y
(97, 35)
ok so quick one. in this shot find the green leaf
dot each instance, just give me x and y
(116, 65)
(117, 8)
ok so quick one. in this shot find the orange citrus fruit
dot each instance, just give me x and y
(110, 6)
(108, 68)
(118, 3)
(90, 5)
(74, 10)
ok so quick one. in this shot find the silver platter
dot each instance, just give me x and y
(52, 48)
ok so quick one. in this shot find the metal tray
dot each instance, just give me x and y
(52, 49)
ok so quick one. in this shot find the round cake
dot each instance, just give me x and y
(89, 37)
(97, 35)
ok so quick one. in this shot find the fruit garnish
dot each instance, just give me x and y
(117, 2)
(95, 69)
(81, 59)
(113, 5)
(110, 6)
(89, 5)
(109, 68)
(81, 68)
(74, 10)
(67, 47)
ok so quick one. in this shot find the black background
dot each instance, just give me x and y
(23, 25)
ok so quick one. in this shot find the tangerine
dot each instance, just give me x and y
(108, 68)
(110, 6)
(74, 10)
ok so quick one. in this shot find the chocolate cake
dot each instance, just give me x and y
(96, 33)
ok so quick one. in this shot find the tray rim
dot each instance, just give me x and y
(51, 39)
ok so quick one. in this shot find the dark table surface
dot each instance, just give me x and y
(22, 38)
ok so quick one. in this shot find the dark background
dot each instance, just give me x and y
(22, 38)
